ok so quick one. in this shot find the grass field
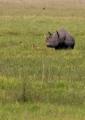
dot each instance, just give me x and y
(37, 83)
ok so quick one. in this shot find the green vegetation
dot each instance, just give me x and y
(37, 82)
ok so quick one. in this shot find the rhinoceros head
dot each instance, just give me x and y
(52, 39)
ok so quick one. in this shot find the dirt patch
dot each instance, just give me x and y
(46, 3)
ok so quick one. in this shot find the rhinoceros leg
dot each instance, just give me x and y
(72, 46)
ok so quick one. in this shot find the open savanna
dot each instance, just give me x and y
(36, 82)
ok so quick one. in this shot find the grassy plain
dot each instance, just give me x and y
(52, 83)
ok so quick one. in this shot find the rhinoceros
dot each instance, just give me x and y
(60, 40)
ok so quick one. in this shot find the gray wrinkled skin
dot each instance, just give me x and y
(60, 40)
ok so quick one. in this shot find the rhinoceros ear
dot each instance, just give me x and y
(49, 33)
(58, 34)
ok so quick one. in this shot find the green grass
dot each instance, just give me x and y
(41, 111)
(52, 83)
